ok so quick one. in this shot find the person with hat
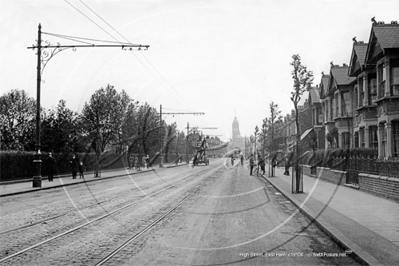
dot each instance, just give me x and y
(50, 167)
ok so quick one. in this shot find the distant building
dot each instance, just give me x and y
(237, 142)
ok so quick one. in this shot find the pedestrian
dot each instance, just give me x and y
(251, 164)
(261, 163)
(131, 161)
(50, 167)
(74, 166)
(143, 162)
(147, 161)
(232, 160)
(136, 159)
(287, 165)
(81, 170)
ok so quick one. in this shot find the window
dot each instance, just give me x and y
(395, 78)
(373, 137)
(361, 90)
(336, 114)
(356, 96)
(345, 140)
(384, 140)
(381, 80)
(372, 85)
(345, 104)
(395, 138)
(356, 139)
(362, 138)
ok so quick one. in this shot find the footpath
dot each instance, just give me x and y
(14, 188)
(361, 223)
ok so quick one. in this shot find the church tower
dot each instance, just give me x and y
(236, 129)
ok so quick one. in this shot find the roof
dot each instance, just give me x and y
(324, 84)
(340, 75)
(387, 35)
(314, 95)
(360, 50)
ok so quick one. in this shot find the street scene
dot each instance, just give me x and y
(199, 132)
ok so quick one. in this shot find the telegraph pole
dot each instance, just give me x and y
(160, 123)
(42, 60)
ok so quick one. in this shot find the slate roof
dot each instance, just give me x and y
(340, 74)
(314, 95)
(324, 84)
(387, 35)
(360, 50)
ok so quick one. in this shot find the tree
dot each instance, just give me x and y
(275, 118)
(17, 119)
(59, 129)
(102, 118)
(104, 114)
(302, 81)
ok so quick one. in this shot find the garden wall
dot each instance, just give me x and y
(379, 185)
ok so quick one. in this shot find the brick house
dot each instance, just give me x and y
(365, 97)
(375, 66)
(317, 117)
(338, 106)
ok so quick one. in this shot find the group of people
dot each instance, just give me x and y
(75, 164)
(134, 162)
(261, 164)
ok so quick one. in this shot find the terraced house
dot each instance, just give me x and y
(375, 65)
(357, 105)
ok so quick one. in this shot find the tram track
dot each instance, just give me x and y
(109, 214)
(97, 203)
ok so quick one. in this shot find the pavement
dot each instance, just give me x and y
(361, 223)
(25, 186)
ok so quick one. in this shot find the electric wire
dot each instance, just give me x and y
(170, 87)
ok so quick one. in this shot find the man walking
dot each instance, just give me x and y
(251, 164)
(50, 167)
(261, 163)
(74, 166)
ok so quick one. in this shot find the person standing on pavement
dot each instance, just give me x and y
(287, 165)
(74, 166)
(261, 163)
(147, 161)
(81, 170)
(251, 164)
(50, 167)
(242, 159)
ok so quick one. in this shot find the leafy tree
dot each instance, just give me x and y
(103, 116)
(60, 129)
(302, 81)
(17, 119)
(274, 120)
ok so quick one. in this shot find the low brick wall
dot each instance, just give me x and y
(384, 186)
(380, 185)
(326, 174)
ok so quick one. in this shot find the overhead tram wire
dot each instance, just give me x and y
(170, 87)
(115, 39)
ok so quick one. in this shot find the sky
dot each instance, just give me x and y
(224, 58)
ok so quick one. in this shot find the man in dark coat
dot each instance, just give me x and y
(74, 165)
(50, 167)
(261, 163)
(251, 164)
